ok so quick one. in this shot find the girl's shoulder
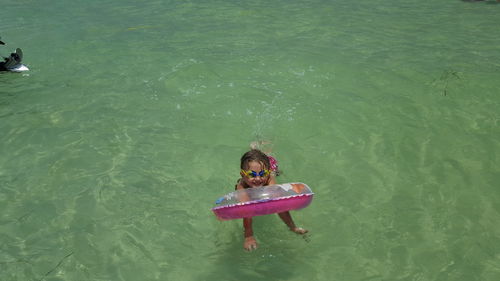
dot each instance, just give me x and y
(240, 185)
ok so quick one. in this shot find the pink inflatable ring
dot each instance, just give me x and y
(259, 201)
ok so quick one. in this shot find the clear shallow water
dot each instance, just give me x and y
(134, 115)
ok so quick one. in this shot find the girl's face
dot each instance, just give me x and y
(255, 175)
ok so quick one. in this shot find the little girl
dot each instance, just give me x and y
(256, 171)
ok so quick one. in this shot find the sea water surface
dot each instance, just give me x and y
(133, 117)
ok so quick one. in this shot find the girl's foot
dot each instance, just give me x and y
(264, 146)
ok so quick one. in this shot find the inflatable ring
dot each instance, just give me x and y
(259, 201)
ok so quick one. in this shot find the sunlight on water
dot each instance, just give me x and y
(132, 119)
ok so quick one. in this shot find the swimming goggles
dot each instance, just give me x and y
(254, 174)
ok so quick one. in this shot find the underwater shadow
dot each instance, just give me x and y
(489, 2)
(277, 258)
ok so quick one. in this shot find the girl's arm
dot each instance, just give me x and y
(243, 196)
(250, 243)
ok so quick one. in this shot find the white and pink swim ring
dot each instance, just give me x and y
(259, 201)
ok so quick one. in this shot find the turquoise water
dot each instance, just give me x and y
(134, 115)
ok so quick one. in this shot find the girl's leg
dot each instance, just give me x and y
(287, 219)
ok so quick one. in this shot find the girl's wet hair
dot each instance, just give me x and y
(254, 155)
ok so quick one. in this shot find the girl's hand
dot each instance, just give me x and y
(250, 243)
(299, 230)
